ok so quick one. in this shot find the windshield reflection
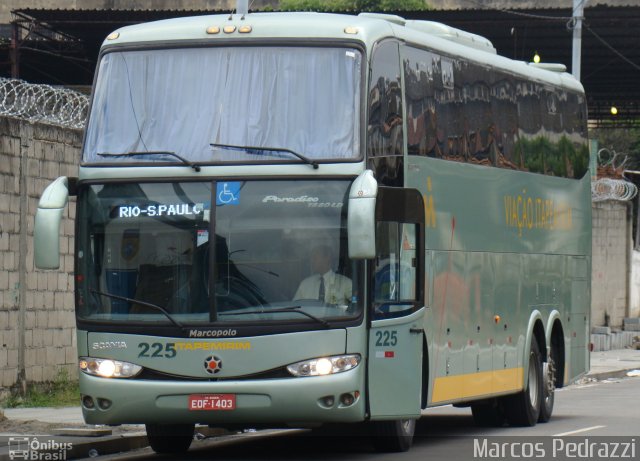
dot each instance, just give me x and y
(278, 253)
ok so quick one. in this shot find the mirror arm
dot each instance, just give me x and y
(46, 231)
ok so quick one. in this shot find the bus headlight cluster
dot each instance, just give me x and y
(325, 365)
(107, 368)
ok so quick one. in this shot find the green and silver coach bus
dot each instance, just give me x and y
(293, 219)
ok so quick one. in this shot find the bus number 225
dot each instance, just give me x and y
(386, 338)
(167, 350)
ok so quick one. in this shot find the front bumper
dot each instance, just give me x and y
(274, 402)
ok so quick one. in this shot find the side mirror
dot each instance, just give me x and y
(361, 217)
(46, 232)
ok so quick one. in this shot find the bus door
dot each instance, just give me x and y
(397, 307)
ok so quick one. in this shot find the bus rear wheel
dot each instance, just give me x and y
(170, 438)
(523, 409)
(548, 388)
(393, 436)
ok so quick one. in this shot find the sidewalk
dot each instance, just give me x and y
(95, 442)
(613, 364)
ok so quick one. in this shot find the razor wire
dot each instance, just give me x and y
(609, 157)
(43, 103)
(612, 189)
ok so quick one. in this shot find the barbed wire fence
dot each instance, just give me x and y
(613, 189)
(43, 103)
(611, 158)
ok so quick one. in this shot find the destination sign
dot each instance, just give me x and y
(179, 209)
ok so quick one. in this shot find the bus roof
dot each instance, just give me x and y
(367, 28)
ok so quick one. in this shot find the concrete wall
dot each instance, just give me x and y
(523, 4)
(37, 324)
(6, 6)
(611, 263)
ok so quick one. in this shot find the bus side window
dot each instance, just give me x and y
(395, 273)
(385, 102)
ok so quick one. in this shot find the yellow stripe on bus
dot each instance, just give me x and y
(485, 383)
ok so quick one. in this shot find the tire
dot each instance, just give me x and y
(393, 436)
(170, 438)
(548, 387)
(488, 414)
(523, 409)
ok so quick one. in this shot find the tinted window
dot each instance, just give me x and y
(385, 102)
(464, 111)
(227, 252)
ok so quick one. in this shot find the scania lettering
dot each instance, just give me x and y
(324, 219)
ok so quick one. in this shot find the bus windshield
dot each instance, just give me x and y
(198, 253)
(196, 102)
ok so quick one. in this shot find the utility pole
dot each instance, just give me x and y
(242, 7)
(576, 20)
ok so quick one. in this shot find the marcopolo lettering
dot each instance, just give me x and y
(212, 333)
(179, 209)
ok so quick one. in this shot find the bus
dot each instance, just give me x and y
(303, 219)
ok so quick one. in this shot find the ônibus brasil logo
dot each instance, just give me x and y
(30, 448)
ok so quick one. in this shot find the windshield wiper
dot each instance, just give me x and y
(256, 151)
(142, 303)
(193, 165)
(283, 310)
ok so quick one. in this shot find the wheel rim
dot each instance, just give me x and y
(533, 381)
(406, 426)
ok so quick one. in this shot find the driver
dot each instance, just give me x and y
(324, 285)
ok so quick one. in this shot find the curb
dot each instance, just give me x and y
(615, 374)
(109, 445)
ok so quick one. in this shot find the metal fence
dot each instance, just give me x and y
(43, 103)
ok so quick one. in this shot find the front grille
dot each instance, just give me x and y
(154, 375)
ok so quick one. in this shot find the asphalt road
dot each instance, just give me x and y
(591, 416)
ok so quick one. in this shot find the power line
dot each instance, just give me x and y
(520, 13)
(605, 43)
(570, 25)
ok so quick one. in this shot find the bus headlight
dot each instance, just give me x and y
(107, 368)
(324, 365)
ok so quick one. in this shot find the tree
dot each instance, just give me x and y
(353, 5)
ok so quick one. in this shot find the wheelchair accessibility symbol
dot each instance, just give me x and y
(228, 193)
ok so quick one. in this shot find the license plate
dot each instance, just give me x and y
(212, 402)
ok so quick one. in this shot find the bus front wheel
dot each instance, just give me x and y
(170, 438)
(523, 409)
(393, 436)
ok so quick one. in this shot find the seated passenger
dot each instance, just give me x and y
(324, 285)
